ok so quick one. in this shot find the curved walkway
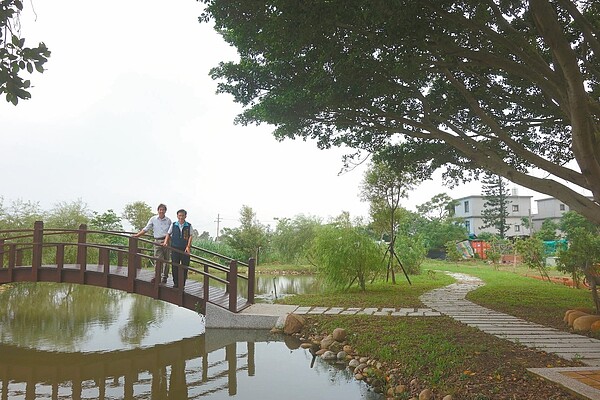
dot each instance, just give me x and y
(585, 381)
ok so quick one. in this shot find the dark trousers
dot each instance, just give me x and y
(179, 258)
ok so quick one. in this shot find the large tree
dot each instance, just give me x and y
(16, 59)
(504, 86)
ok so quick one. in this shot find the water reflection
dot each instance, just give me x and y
(270, 288)
(129, 347)
(69, 318)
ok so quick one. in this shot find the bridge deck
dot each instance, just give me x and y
(117, 277)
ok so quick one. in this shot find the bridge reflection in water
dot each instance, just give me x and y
(190, 368)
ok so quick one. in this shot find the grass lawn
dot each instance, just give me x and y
(446, 355)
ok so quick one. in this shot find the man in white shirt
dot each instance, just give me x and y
(159, 224)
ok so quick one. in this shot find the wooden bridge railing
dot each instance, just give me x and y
(18, 247)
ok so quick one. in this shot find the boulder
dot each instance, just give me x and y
(293, 324)
(400, 389)
(574, 315)
(584, 323)
(595, 327)
(566, 317)
(327, 341)
(339, 334)
(426, 394)
(586, 310)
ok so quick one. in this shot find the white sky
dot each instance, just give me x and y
(126, 111)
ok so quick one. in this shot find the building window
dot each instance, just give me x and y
(517, 228)
(468, 225)
(562, 207)
(515, 207)
(467, 206)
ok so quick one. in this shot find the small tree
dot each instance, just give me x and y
(582, 258)
(137, 214)
(250, 236)
(534, 255)
(345, 255)
(293, 236)
(383, 186)
(548, 230)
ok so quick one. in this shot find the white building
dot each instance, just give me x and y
(470, 209)
(549, 208)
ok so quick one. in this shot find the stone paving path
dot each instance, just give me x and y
(394, 312)
(450, 300)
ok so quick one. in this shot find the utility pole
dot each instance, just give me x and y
(217, 221)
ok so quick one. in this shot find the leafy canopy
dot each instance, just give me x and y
(468, 85)
(15, 57)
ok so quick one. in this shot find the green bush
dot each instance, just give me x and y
(452, 253)
(346, 255)
(533, 253)
(220, 248)
(411, 251)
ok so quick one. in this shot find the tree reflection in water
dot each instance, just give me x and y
(219, 364)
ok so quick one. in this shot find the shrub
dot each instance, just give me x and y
(411, 252)
(452, 253)
(345, 255)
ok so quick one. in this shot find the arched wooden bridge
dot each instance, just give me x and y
(114, 260)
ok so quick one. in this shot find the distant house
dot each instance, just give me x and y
(549, 208)
(470, 209)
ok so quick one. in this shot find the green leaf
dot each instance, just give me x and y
(39, 68)
(29, 68)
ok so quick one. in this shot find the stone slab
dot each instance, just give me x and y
(555, 375)
(318, 310)
(367, 311)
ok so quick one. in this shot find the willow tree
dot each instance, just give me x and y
(509, 87)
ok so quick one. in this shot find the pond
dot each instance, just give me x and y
(271, 287)
(60, 341)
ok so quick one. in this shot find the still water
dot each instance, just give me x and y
(272, 287)
(60, 341)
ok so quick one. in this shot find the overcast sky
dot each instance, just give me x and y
(126, 111)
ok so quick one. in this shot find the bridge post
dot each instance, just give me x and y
(251, 279)
(132, 261)
(232, 278)
(36, 252)
(82, 251)
(60, 261)
(1, 253)
(205, 286)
